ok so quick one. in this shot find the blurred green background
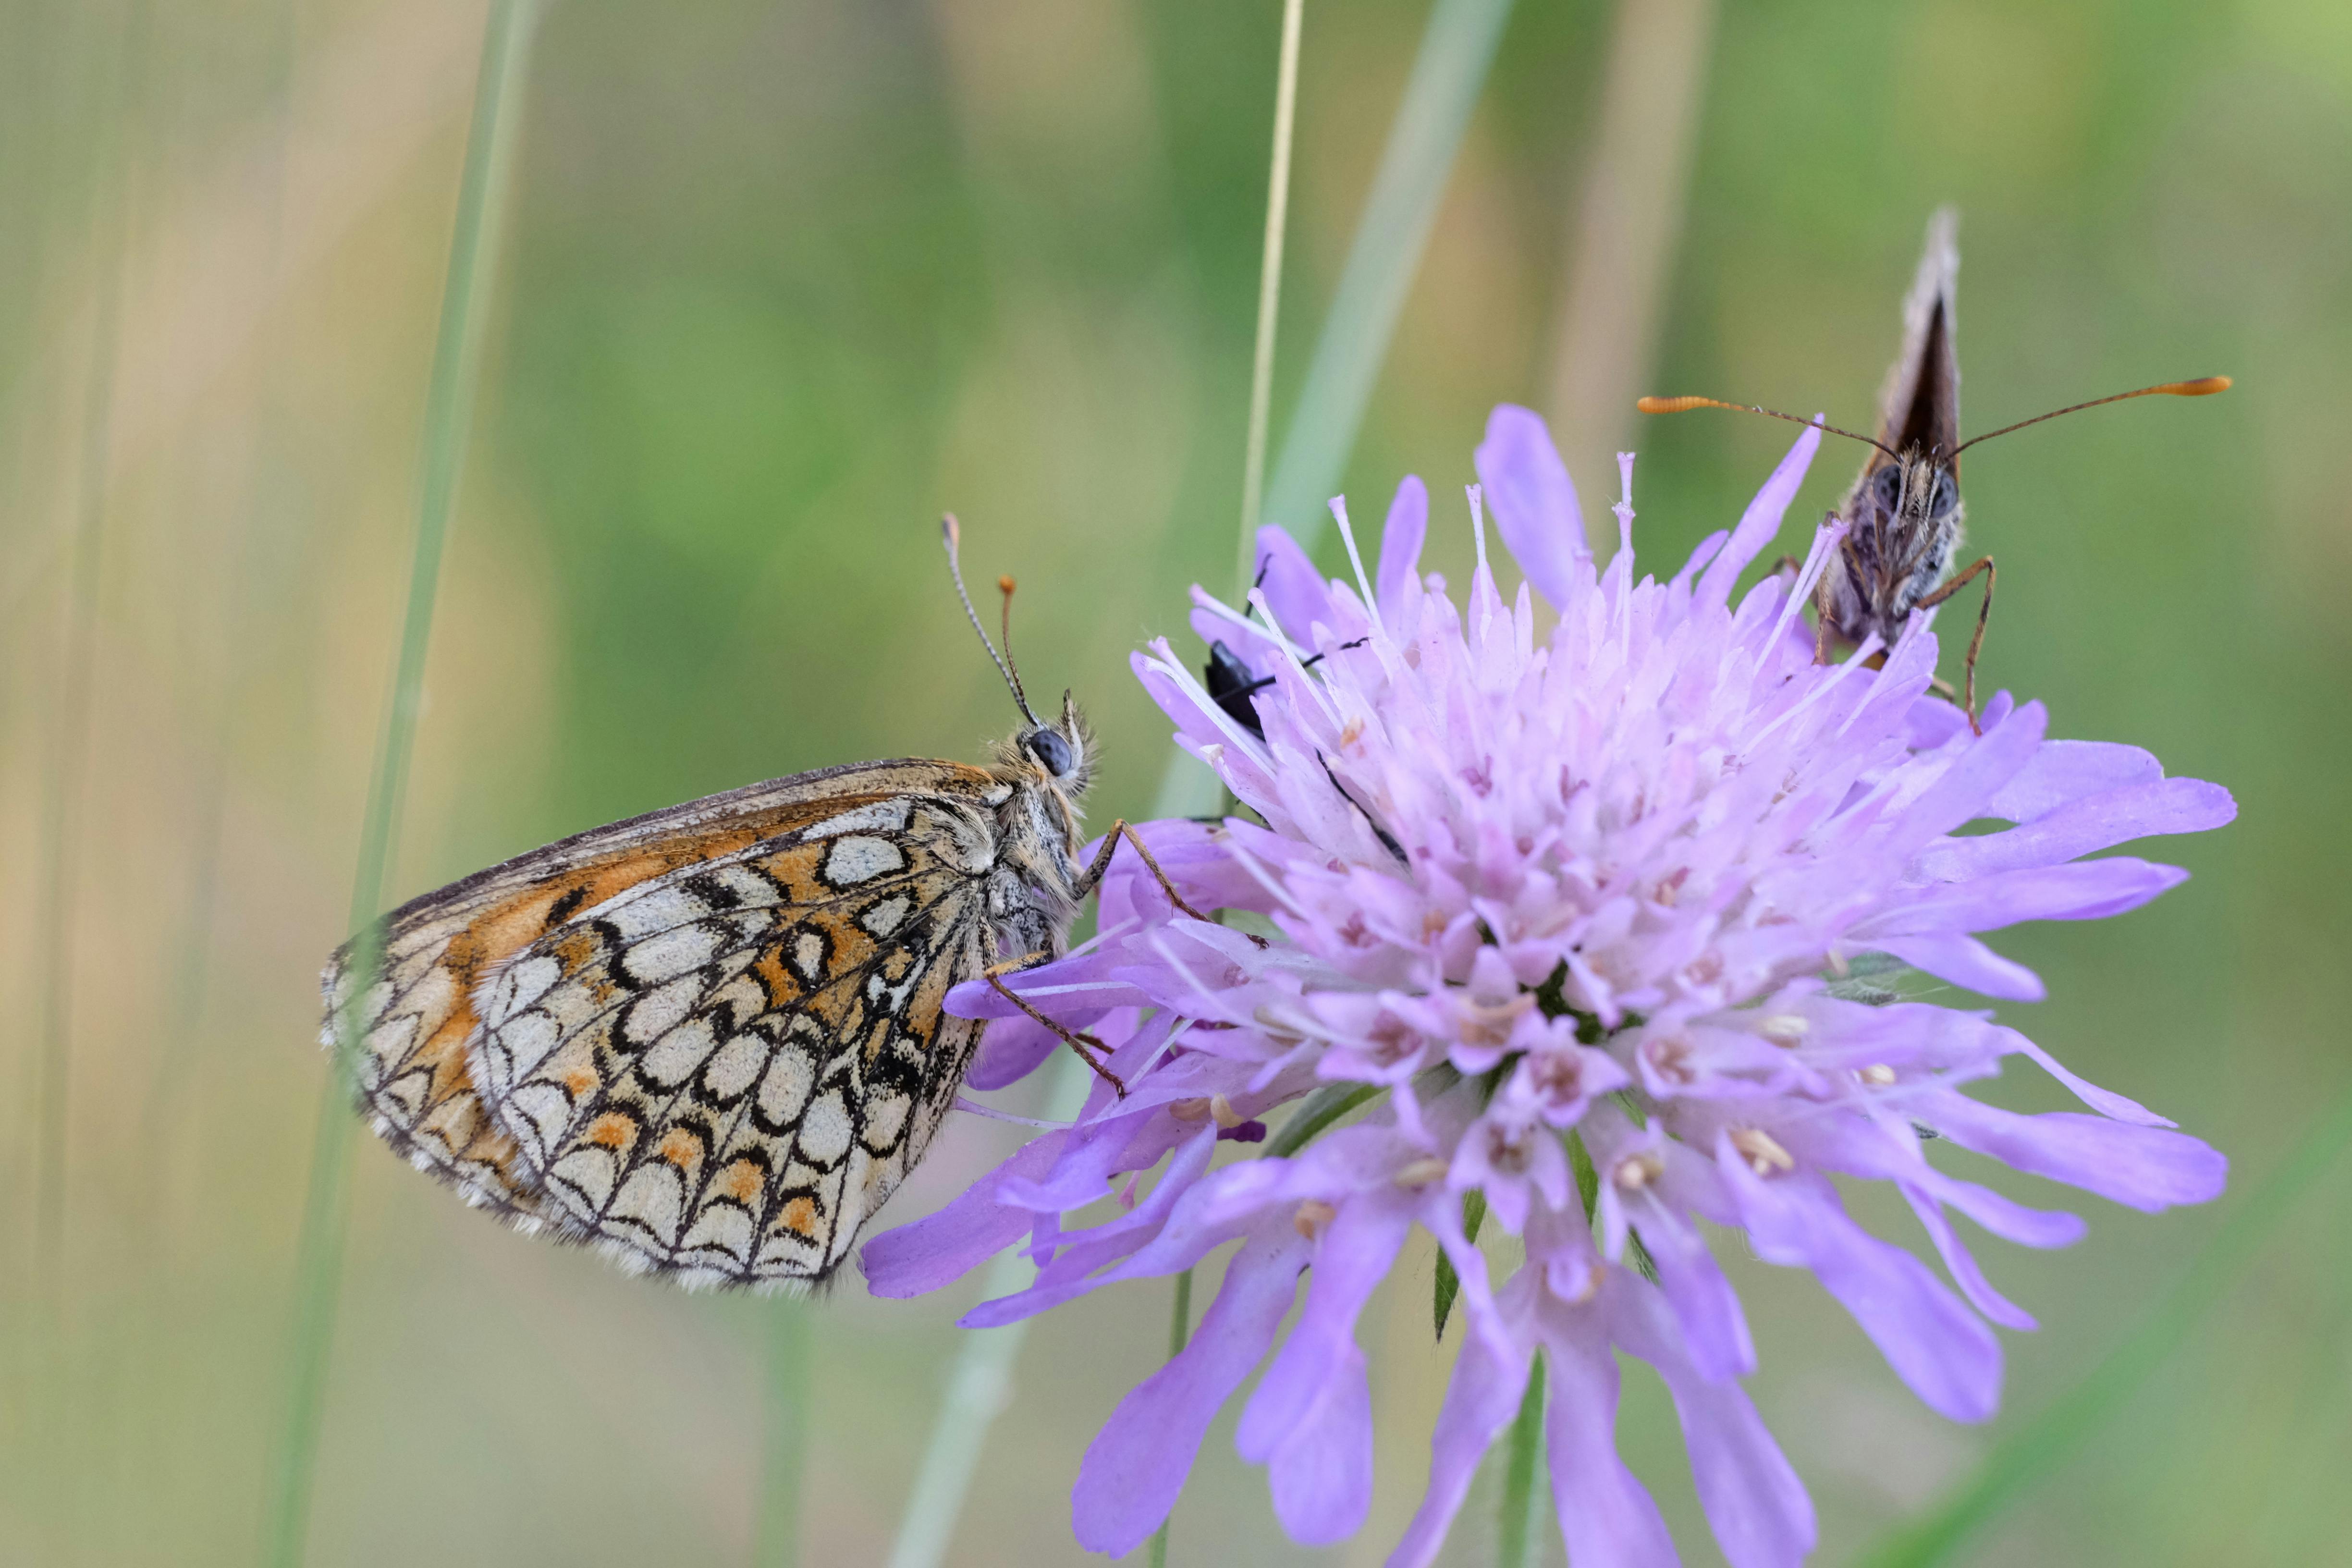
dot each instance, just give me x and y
(778, 283)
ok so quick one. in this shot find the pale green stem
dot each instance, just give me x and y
(1456, 51)
(1269, 290)
(790, 1330)
(63, 786)
(1515, 1535)
(982, 1384)
(1180, 1330)
(2038, 1450)
(318, 1256)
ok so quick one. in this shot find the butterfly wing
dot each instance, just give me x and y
(1919, 406)
(721, 1073)
(416, 1021)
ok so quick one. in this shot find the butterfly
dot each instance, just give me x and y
(711, 1040)
(1903, 516)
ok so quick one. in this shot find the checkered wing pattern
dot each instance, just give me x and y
(710, 1041)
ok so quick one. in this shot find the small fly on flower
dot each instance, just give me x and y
(710, 1041)
(1903, 516)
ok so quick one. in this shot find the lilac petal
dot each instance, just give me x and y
(1962, 1263)
(1138, 1463)
(1754, 1502)
(2084, 826)
(1351, 1258)
(1965, 962)
(1705, 1305)
(2085, 890)
(1010, 1051)
(971, 1229)
(1935, 1343)
(1322, 1476)
(1294, 591)
(2105, 1102)
(1975, 776)
(2145, 1168)
(1760, 522)
(2063, 771)
(1607, 1517)
(1534, 501)
(1484, 1395)
(1401, 539)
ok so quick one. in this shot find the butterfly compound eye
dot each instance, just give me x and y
(1048, 747)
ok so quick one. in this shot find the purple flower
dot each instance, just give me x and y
(1632, 896)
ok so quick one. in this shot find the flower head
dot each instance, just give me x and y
(1597, 924)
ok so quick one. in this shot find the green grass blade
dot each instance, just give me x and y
(1270, 292)
(1180, 1331)
(979, 1386)
(319, 1249)
(1456, 52)
(785, 1457)
(1514, 1536)
(2036, 1451)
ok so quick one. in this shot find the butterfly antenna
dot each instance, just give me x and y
(1684, 405)
(2204, 386)
(1004, 586)
(952, 534)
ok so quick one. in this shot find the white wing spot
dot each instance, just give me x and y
(825, 1132)
(808, 956)
(671, 954)
(734, 1066)
(887, 816)
(886, 916)
(861, 859)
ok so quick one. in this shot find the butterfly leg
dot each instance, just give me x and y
(1084, 1044)
(1976, 644)
(1093, 874)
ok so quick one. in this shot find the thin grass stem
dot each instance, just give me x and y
(319, 1255)
(1180, 1331)
(1456, 50)
(63, 781)
(2038, 1450)
(1270, 292)
(1515, 1534)
(785, 1461)
(982, 1384)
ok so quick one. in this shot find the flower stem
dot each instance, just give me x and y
(319, 1255)
(1180, 1328)
(2037, 1450)
(1315, 1114)
(1515, 1537)
(778, 1542)
(982, 1384)
(1269, 290)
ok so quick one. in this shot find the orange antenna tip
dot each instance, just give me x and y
(2203, 387)
(1005, 585)
(1674, 404)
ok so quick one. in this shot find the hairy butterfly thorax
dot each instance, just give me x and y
(1903, 516)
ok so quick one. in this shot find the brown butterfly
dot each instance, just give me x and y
(1902, 515)
(710, 1040)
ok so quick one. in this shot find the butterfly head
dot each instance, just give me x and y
(1063, 752)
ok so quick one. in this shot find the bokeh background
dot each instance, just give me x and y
(778, 282)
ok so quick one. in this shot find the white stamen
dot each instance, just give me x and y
(1363, 584)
